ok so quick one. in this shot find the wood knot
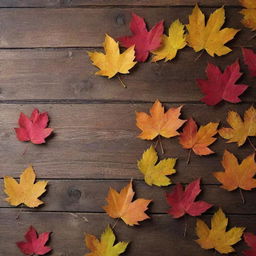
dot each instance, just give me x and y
(120, 19)
(74, 193)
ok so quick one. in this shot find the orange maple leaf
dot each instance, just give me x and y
(235, 175)
(158, 122)
(120, 205)
(198, 140)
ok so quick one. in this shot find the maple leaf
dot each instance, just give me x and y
(26, 192)
(158, 122)
(120, 205)
(144, 40)
(217, 238)
(250, 60)
(209, 37)
(250, 240)
(175, 41)
(35, 243)
(34, 128)
(183, 201)
(112, 62)
(249, 13)
(235, 175)
(104, 247)
(240, 129)
(155, 174)
(221, 86)
(198, 140)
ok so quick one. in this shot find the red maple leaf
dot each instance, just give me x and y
(221, 86)
(250, 60)
(250, 240)
(34, 128)
(144, 40)
(183, 202)
(35, 243)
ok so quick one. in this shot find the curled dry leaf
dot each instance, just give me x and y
(120, 205)
(217, 237)
(106, 245)
(158, 122)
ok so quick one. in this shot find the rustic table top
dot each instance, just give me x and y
(43, 64)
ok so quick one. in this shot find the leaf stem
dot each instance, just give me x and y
(197, 58)
(242, 195)
(185, 227)
(189, 156)
(121, 81)
(25, 150)
(161, 145)
(19, 213)
(115, 223)
(254, 148)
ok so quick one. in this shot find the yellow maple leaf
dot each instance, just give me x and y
(155, 174)
(104, 247)
(240, 129)
(210, 36)
(249, 13)
(217, 238)
(175, 41)
(112, 62)
(237, 175)
(26, 192)
(120, 205)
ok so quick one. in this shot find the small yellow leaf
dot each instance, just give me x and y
(217, 237)
(104, 247)
(210, 36)
(249, 13)
(26, 192)
(155, 174)
(175, 41)
(113, 62)
(240, 129)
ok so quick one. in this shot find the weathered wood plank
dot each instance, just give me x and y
(69, 74)
(78, 27)
(151, 2)
(89, 142)
(29, 3)
(89, 196)
(161, 235)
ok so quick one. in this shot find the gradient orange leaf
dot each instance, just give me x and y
(198, 140)
(159, 122)
(237, 175)
(120, 205)
(249, 13)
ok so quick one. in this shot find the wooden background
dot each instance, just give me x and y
(43, 64)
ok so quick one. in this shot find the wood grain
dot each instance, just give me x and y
(75, 27)
(67, 74)
(29, 3)
(164, 234)
(89, 196)
(90, 143)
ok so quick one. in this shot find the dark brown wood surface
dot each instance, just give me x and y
(43, 64)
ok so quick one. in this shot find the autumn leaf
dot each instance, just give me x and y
(209, 37)
(217, 237)
(112, 62)
(198, 140)
(237, 175)
(156, 174)
(35, 244)
(183, 201)
(144, 40)
(249, 13)
(105, 246)
(27, 191)
(250, 60)
(240, 129)
(250, 240)
(221, 86)
(158, 122)
(175, 41)
(120, 205)
(34, 128)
